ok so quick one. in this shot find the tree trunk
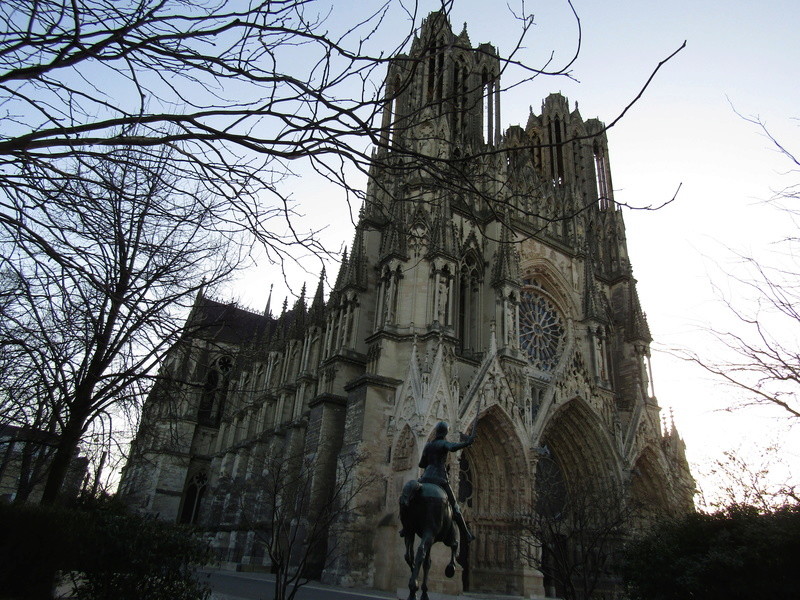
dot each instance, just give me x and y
(65, 450)
(25, 476)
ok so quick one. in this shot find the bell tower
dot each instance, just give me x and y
(443, 97)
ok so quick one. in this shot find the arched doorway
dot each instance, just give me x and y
(493, 487)
(581, 512)
(649, 498)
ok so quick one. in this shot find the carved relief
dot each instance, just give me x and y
(405, 452)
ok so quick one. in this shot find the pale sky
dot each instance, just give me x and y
(682, 132)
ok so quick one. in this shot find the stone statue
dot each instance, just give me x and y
(428, 509)
(443, 301)
(434, 461)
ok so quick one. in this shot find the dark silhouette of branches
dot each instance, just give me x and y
(241, 92)
(746, 477)
(573, 534)
(291, 507)
(102, 267)
(759, 351)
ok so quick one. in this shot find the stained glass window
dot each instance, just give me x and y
(541, 330)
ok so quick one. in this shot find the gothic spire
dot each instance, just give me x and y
(267, 311)
(298, 316)
(283, 322)
(443, 237)
(356, 272)
(463, 37)
(506, 266)
(340, 278)
(317, 311)
(636, 326)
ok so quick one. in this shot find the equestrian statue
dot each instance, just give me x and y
(428, 509)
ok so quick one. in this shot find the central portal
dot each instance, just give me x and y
(493, 494)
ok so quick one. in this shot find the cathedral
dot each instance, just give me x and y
(488, 285)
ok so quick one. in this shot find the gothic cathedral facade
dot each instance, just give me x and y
(499, 297)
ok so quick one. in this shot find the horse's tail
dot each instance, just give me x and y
(410, 490)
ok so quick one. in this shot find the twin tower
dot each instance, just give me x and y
(489, 280)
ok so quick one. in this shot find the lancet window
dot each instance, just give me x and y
(601, 167)
(557, 139)
(215, 391)
(391, 110)
(469, 304)
(490, 94)
(193, 497)
(435, 72)
(460, 91)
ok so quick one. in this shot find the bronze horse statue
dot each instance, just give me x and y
(425, 512)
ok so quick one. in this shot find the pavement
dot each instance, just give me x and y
(235, 585)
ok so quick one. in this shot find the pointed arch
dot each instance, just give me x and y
(543, 275)
(193, 493)
(493, 487)
(546, 313)
(577, 440)
(418, 240)
(649, 494)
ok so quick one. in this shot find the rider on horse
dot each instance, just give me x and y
(434, 459)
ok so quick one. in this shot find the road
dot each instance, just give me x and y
(229, 585)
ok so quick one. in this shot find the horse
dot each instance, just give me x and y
(425, 512)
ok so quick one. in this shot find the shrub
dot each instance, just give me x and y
(108, 552)
(738, 553)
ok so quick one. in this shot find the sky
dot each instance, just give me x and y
(683, 133)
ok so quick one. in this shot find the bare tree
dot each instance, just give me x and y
(573, 534)
(242, 91)
(103, 266)
(748, 478)
(760, 356)
(291, 506)
(27, 426)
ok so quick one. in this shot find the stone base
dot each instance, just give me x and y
(402, 594)
(253, 568)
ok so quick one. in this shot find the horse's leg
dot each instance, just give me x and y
(425, 542)
(415, 567)
(412, 583)
(450, 569)
(426, 567)
(409, 556)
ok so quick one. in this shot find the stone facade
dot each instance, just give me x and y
(505, 296)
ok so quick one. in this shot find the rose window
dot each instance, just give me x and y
(541, 331)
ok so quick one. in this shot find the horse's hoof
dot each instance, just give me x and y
(450, 570)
